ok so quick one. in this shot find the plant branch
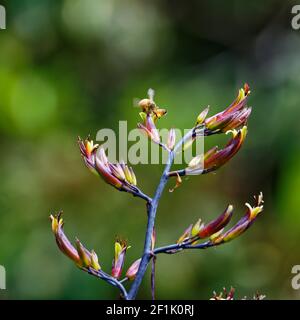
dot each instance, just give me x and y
(109, 279)
(138, 193)
(153, 277)
(174, 248)
(151, 210)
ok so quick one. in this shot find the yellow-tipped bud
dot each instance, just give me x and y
(202, 116)
(94, 261)
(196, 228)
(84, 255)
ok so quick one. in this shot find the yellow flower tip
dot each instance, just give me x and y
(216, 236)
(128, 175)
(202, 116)
(258, 208)
(253, 211)
(249, 206)
(229, 209)
(85, 256)
(56, 221)
(133, 177)
(241, 95)
(243, 92)
(120, 245)
(118, 249)
(197, 227)
(94, 261)
(90, 146)
(235, 132)
(244, 131)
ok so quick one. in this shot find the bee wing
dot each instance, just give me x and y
(135, 102)
(151, 94)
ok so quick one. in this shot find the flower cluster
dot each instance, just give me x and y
(200, 235)
(234, 116)
(232, 121)
(214, 231)
(224, 295)
(85, 259)
(229, 295)
(119, 175)
(82, 257)
(215, 158)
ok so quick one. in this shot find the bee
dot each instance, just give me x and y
(148, 106)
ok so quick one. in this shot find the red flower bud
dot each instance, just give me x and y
(243, 224)
(217, 224)
(232, 117)
(80, 255)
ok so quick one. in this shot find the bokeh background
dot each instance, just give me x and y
(72, 67)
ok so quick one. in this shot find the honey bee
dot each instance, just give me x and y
(149, 106)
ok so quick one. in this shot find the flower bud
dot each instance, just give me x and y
(197, 227)
(217, 158)
(62, 241)
(80, 255)
(88, 150)
(234, 116)
(116, 174)
(118, 262)
(217, 224)
(133, 269)
(243, 224)
(171, 139)
(106, 173)
(94, 261)
(186, 234)
(202, 116)
(84, 254)
(224, 295)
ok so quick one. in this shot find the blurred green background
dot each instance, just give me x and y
(72, 67)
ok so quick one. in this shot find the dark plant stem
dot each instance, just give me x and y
(174, 248)
(153, 277)
(109, 279)
(151, 210)
(138, 193)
